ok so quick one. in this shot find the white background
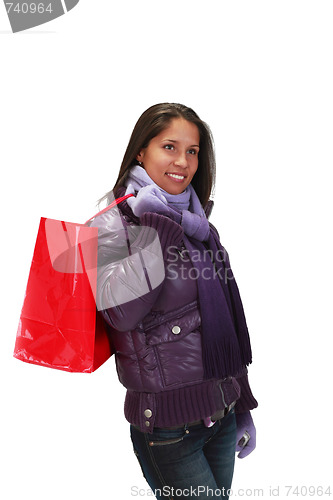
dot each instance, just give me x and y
(260, 74)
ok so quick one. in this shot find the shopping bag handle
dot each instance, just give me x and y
(113, 204)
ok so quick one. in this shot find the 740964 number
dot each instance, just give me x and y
(31, 8)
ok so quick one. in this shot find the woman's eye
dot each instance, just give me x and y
(193, 151)
(169, 146)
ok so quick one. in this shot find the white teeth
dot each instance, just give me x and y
(176, 176)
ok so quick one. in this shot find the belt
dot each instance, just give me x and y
(217, 416)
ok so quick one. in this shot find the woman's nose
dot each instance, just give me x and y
(181, 160)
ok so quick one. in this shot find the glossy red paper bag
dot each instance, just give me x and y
(59, 325)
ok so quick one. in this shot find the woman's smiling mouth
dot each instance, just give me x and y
(177, 177)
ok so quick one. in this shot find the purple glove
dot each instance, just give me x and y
(150, 199)
(245, 424)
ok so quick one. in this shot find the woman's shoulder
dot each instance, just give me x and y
(117, 215)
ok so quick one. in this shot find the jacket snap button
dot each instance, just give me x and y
(175, 330)
(148, 413)
(147, 423)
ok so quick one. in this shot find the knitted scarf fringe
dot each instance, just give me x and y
(221, 359)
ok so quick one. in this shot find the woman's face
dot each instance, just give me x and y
(171, 157)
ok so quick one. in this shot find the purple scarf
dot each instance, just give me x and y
(226, 345)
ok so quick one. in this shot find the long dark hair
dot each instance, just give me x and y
(151, 123)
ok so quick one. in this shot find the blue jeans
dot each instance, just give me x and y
(188, 462)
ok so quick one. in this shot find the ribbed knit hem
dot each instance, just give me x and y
(246, 401)
(175, 407)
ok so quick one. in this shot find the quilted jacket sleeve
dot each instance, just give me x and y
(131, 268)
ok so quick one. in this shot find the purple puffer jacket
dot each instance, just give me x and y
(147, 294)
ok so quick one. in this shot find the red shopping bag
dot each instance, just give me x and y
(59, 325)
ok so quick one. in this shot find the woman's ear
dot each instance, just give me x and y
(140, 156)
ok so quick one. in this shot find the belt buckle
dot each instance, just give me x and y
(230, 407)
(208, 422)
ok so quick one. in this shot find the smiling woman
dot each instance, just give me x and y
(154, 121)
(173, 308)
(171, 158)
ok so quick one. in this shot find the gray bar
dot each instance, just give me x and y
(27, 14)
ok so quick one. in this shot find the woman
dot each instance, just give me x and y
(166, 290)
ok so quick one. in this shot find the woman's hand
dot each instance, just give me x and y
(148, 199)
(245, 425)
